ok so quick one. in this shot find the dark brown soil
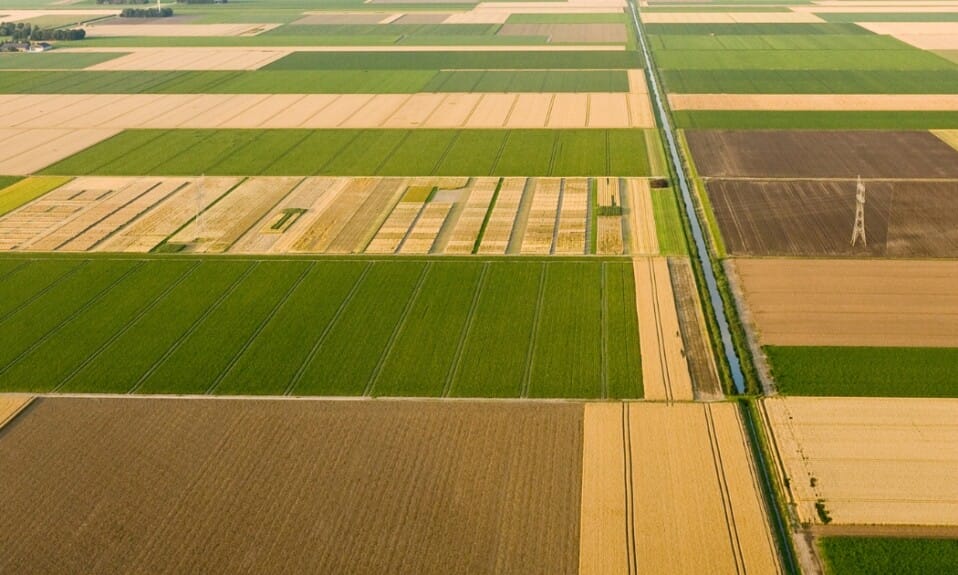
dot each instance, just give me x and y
(816, 218)
(821, 154)
(271, 486)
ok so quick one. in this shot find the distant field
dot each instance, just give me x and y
(810, 81)
(310, 81)
(879, 556)
(18, 61)
(668, 223)
(814, 120)
(705, 30)
(366, 153)
(14, 192)
(865, 371)
(477, 328)
(588, 60)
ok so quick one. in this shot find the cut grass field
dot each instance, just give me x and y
(15, 192)
(878, 556)
(337, 81)
(416, 327)
(365, 153)
(865, 371)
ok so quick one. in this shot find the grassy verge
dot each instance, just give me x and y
(865, 371)
(880, 556)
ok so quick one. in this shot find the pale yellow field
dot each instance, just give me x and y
(570, 236)
(882, 461)
(11, 405)
(192, 59)
(36, 149)
(502, 219)
(314, 111)
(950, 137)
(659, 503)
(924, 35)
(116, 30)
(665, 371)
(859, 102)
(852, 302)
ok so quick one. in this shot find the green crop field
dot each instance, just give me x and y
(327, 326)
(364, 153)
(18, 61)
(585, 60)
(595, 18)
(814, 120)
(810, 82)
(865, 371)
(882, 556)
(310, 82)
(14, 192)
(668, 223)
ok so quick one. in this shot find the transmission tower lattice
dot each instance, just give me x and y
(859, 231)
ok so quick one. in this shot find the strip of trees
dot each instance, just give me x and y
(26, 32)
(146, 12)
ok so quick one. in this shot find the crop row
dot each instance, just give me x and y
(488, 328)
(365, 153)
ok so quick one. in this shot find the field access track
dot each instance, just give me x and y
(360, 326)
(320, 487)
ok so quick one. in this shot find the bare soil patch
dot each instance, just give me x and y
(321, 487)
(821, 154)
(852, 302)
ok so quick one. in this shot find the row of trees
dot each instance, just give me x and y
(26, 32)
(146, 12)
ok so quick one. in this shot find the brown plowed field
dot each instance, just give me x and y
(852, 302)
(816, 217)
(870, 460)
(263, 486)
(821, 154)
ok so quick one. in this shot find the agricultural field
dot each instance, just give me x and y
(325, 215)
(878, 555)
(373, 327)
(526, 153)
(868, 461)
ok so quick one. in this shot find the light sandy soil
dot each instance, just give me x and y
(498, 232)
(659, 482)
(115, 30)
(192, 59)
(11, 405)
(729, 18)
(154, 226)
(852, 302)
(898, 7)
(37, 149)
(637, 82)
(315, 111)
(856, 102)
(570, 236)
(466, 232)
(665, 371)
(870, 460)
(924, 35)
(642, 235)
(541, 222)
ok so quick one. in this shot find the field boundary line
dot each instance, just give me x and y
(604, 327)
(128, 326)
(485, 220)
(137, 217)
(722, 480)
(445, 153)
(94, 224)
(294, 381)
(460, 348)
(203, 211)
(193, 327)
(512, 108)
(498, 158)
(63, 323)
(630, 547)
(15, 269)
(43, 292)
(259, 328)
(371, 384)
(266, 213)
(530, 355)
(558, 218)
